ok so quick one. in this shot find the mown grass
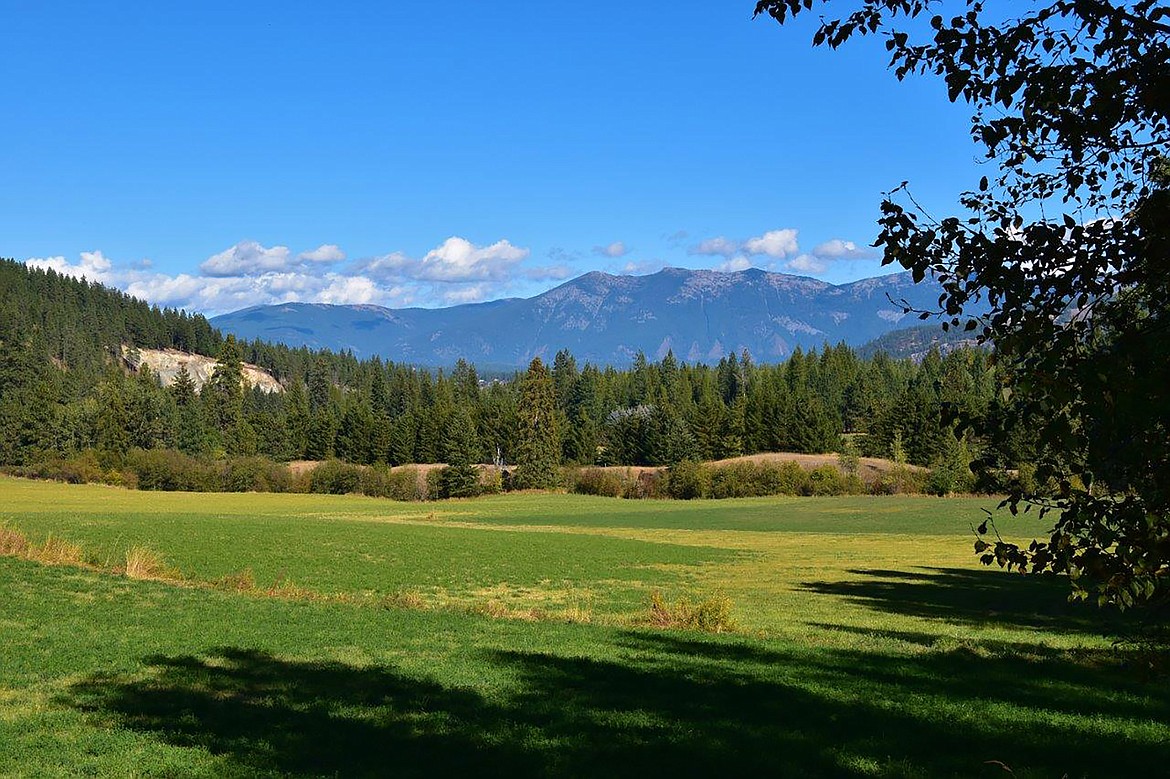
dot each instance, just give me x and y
(884, 652)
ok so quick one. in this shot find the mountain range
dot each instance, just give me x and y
(701, 315)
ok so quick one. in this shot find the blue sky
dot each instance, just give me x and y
(218, 155)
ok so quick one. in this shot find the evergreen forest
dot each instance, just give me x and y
(66, 389)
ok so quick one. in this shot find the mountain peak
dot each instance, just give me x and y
(605, 318)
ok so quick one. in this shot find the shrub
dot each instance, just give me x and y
(170, 470)
(254, 474)
(749, 480)
(457, 481)
(688, 480)
(79, 469)
(596, 481)
(432, 490)
(1026, 479)
(407, 483)
(374, 481)
(825, 480)
(786, 478)
(900, 480)
(946, 479)
(490, 481)
(648, 484)
(334, 477)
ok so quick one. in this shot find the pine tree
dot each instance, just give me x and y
(460, 478)
(297, 419)
(111, 421)
(537, 455)
(353, 442)
(223, 398)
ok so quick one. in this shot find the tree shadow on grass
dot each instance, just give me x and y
(976, 597)
(666, 704)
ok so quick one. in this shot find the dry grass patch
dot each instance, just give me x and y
(57, 551)
(241, 581)
(285, 588)
(405, 599)
(497, 610)
(143, 563)
(13, 543)
(578, 615)
(712, 615)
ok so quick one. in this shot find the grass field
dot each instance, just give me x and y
(868, 642)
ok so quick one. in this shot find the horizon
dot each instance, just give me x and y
(407, 157)
(560, 284)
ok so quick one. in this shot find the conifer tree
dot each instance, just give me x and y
(537, 454)
(224, 399)
(297, 418)
(460, 478)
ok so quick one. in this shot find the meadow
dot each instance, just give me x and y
(514, 635)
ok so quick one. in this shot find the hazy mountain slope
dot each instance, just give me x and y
(915, 342)
(699, 314)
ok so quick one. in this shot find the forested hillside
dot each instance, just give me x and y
(64, 389)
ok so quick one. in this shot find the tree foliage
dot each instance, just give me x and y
(538, 450)
(1066, 242)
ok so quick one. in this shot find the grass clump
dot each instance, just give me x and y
(711, 615)
(13, 543)
(144, 563)
(56, 551)
(240, 581)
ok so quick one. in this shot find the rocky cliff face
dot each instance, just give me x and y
(165, 364)
(700, 315)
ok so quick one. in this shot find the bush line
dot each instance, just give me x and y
(171, 470)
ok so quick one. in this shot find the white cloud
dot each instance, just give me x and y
(634, 268)
(615, 250)
(807, 263)
(326, 252)
(720, 246)
(776, 244)
(349, 290)
(247, 258)
(169, 290)
(250, 274)
(214, 295)
(736, 263)
(837, 249)
(93, 266)
(457, 259)
(388, 266)
(472, 294)
(490, 271)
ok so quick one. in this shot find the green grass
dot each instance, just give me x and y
(870, 643)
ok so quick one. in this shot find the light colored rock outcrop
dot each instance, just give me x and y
(165, 363)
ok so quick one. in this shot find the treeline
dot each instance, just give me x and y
(64, 390)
